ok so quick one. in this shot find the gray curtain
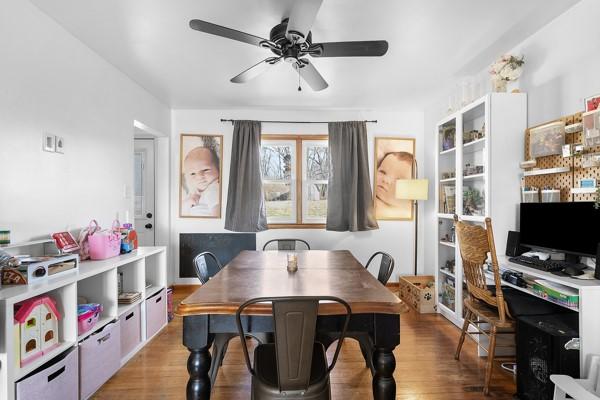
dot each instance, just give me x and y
(349, 196)
(245, 203)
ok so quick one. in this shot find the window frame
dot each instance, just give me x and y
(298, 179)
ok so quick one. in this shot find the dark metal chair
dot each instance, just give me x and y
(386, 266)
(287, 244)
(221, 340)
(295, 366)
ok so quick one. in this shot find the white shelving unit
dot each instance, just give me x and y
(493, 192)
(94, 280)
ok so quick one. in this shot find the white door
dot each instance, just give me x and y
(144, 190)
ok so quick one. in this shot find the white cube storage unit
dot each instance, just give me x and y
(97, 281)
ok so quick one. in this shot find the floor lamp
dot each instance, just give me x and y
(414, 190)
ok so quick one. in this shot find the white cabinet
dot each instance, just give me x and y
(477, 176)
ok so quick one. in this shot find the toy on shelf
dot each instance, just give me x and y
(87, 316)
(36, 328)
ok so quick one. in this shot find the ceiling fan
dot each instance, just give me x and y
(291, 40)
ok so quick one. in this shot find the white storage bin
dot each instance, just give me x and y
(530, 196)
(550, 196)
(56, 380)
(156, 313)
(131, 330)
(99, 358)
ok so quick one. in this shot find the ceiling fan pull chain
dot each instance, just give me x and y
(299, 88)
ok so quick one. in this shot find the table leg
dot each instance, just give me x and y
(198, 340)
(386, 338)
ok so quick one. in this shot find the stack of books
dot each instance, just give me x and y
(129, 297)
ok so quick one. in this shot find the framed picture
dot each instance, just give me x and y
(592, 103)
(587, 183)
(547, 140)
(393, 160)
(200, 176)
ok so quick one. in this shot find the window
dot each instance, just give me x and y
(295, 170)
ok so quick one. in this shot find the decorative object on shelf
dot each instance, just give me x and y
(472, 170)
(473, 201)
(528, 164)
(87, 316)
(4, 237)
(394, 159)
(449, 199)
(550, 195)
(472, 136)
(591, 128)
(449, 266)
(547, 140)
(587, 183)
(448, 134)
(129, 297)
(590, 160)
(530, 194)
(200, 176)
(36, 327)
(592, 103)
(65, 242)
(507, 69)
(448, 175)
(418, 292)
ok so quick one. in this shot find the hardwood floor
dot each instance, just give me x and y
(425, 367)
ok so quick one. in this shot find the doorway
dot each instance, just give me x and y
(144, 191)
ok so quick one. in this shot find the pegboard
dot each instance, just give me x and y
(566, 180)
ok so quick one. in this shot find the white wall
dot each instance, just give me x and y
(395, 237)
(562, 68)
(51, 82)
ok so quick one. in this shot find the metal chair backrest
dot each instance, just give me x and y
(386, 266)
(475, 242)
(201, 266)
(295, 320)
(287, 244)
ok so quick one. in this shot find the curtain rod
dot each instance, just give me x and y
(297, 122)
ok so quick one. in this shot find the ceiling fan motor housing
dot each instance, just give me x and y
(289, 49)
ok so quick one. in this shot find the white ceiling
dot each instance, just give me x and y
(431, 43)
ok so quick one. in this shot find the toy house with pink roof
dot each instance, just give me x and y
(36, 328)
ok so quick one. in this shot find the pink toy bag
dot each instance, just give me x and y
(105, 243)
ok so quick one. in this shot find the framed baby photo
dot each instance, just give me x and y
(393, 160)
(200, 166)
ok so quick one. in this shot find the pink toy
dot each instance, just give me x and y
(87, 316)
(105, 243)
(36, 328)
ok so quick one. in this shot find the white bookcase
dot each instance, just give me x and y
(97, 281)
(463, 188)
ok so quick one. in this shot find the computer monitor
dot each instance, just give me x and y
(571, 227)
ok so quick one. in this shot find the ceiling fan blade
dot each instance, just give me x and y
(301, 19)
(371, 48)
(255, 70)
(309, 73)
(228, 33)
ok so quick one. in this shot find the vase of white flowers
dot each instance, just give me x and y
(507, 69)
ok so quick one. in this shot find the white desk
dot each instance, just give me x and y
(589, 305)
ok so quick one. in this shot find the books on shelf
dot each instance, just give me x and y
(557, 293)
(129, 297)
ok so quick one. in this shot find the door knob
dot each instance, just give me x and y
(148, 226)
(149, 215)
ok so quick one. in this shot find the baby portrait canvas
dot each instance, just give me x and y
(393, 161)
(200, 176)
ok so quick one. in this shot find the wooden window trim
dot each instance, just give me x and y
(299, 195)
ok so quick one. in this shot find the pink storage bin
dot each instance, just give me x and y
(88, 319)
(99, 358)
(58, 381)
(156, 313)
(131, 330)
(105, 243)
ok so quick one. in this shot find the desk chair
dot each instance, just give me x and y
(295, 366)
(287, 244)
(221, 340)
(483, 306)
(386, 266)
(579, 389)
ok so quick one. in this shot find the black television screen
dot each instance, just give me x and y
(572, 227)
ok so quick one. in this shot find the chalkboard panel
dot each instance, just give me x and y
(223, 245)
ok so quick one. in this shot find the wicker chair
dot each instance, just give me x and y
(483, 305)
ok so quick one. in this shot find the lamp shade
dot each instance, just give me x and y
(412, 189)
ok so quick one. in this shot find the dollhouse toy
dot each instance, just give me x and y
(36, 328)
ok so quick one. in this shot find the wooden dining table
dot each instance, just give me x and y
(211, 308)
